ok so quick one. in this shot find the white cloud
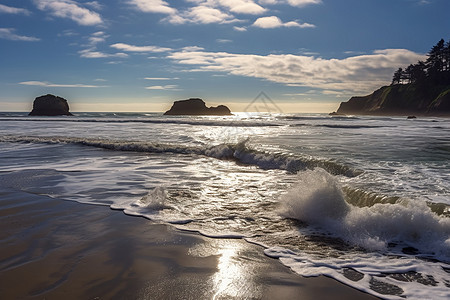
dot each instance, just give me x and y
(242, 6)
(68, 32)
(14, 10)
(93, 53)
(237, 28)
(301, 3)
(8, 34)
(201, 14)
(97, 37)
(160, 78)
(207, 15)
(275, 22)
(99, 33)
(162, 87)
(234, 6)
(70, 9)
(297, 3)
(272, 2)
(192, 48)
(131, 48)
(94, 5)
(356, 74)
(153, 6)
(49, 84)
(93, 40)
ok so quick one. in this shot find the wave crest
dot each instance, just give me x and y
(318, 199)
(238, 152)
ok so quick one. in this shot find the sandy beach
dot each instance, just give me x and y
(54, 249)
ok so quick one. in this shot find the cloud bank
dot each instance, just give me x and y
(217, 11)
(356, 74)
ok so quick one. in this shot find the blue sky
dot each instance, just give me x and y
(141, 55)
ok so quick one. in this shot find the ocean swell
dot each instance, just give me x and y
(177, 121)
(238, 152)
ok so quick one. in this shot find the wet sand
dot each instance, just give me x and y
(54, 249)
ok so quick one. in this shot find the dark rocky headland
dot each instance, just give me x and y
(50, 105)
(420, 89)
(400, 99)
(196, 107)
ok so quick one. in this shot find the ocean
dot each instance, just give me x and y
(364, 200)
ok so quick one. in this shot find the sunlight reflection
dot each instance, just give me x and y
(238, 274)
(228, 279)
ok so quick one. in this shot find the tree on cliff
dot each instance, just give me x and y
(397, 79)
(436, 61)
(435, 70)
(415, 73)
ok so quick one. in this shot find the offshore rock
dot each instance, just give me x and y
(196, 107)
(50, 105)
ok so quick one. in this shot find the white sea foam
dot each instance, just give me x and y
(318, 200)
(419, 279)
(155, 199)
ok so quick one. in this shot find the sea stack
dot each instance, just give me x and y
(50, 105)
(196, 107)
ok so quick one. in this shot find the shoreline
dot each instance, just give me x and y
(57, 249)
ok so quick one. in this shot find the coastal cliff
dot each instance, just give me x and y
(401, 99)
(196, 107)
(422, 88)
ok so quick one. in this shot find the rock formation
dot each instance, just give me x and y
(50, 105)
(196, 107)
(401, 99)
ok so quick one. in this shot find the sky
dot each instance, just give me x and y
(141, 55)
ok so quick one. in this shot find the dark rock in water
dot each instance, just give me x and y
(411, 117)
(50, 105)
(335, 114)
(196, 107)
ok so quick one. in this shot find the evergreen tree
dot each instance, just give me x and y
(446, 62)
(418, 73)
(407, 74)
(397, 76)
(435, 61)
(435, 70)
(447, 57)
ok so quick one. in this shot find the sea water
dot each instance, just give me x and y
(365, 200)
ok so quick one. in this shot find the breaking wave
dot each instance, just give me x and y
(318, 200)
(238, 152)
